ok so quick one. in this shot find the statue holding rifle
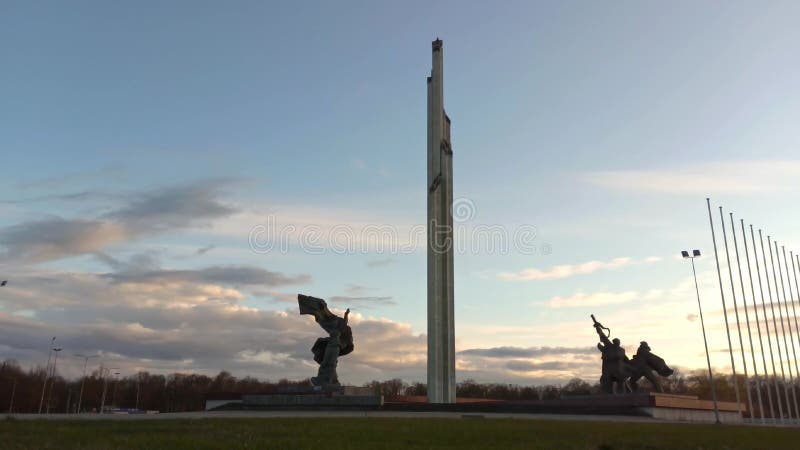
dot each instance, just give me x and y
(619, 372)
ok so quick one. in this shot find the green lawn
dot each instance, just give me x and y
(374, 433)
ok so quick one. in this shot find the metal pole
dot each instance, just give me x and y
(783, 331)
(13, 391)
(705, 342)
(758, 328)
(792, 256)
(788, 323)
(766, 321)
(83, 381)
(50, 393)
(736, 313)
(774, 323)
(794, 310)
(105, 385)
(115, 383)
(138, 381)
(46, 373)
(724, 309)
(747, 320)
(792, 296)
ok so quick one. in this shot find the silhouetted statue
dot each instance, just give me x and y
(327, 350)
(643, 363)
(614, 360)
(617, 368)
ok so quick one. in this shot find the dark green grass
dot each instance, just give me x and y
(374, 433)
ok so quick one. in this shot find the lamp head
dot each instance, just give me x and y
(696, 252)
(685, 254)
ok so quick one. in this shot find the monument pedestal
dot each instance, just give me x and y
(689, 408)
(339, 397)
(685, 408)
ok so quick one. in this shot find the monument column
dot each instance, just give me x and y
(441, 330)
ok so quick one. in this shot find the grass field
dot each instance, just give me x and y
(380, 433)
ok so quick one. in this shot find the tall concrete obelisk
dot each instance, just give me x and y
(441, 331)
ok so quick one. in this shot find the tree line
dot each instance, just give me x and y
(25, 390)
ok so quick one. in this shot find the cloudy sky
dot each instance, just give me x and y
(175, 173)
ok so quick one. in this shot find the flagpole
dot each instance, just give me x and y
(736, 314)
(766, 320)
(758, 325)
(724, 309)
(747, 320)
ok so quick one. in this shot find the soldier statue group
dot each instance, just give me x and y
(621, 374)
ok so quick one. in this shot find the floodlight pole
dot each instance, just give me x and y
(46, 373)
(705, 343)
(115, 381)
(105, 386)
(50, 393)
(83, 380)
(138, 382)
(13, 391)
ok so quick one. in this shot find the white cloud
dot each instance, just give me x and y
(736, 177)
(569, 270)
(593, 299)
(180, 323)
(683, 289)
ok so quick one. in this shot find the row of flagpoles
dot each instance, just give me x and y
(770, 296)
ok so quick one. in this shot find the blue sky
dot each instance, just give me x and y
(142, 143)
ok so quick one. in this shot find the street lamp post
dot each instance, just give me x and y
(53, 376)
(83, 380)
(114, 391)
(105, 387)
(696, 254)
(13, 391)
(46, 373)
(138, 387)
(14, 380)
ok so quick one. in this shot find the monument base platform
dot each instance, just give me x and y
(338, 397)
(660, 406)
(647, 404)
